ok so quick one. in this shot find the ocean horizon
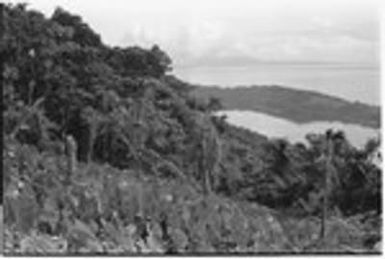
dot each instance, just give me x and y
(351, 82)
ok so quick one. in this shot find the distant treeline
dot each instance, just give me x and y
(296, 105)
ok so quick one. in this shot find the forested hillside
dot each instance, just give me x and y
(296, 105)
(105, 151)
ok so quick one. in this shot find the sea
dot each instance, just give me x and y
(353, 83)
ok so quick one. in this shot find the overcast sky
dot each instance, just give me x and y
(236, 32)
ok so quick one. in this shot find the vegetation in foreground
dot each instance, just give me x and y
(105, 152)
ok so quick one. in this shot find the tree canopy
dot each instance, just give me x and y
(146, 147)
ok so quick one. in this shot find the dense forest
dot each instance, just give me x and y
(105, 151)
(296, 105)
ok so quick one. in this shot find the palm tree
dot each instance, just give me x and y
(326, 182)
(327, 154)
(284, 168)
(333, 141)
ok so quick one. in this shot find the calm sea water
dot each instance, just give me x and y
(351, 83)
(280, 128)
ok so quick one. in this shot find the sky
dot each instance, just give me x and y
(236, 32)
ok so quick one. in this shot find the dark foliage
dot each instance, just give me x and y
(296, 105)
(154, 171)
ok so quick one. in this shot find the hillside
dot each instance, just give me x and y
(295, 105)
(106, 152)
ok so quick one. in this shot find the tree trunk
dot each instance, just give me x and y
(91, 140)
(71, 148)
(324, 213)
(327, 187)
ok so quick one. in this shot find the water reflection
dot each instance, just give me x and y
(278, 127)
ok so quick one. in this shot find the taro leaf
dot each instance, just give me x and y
(154, 244)
(123, 237)
(42, 244)
(81, 239)
(21, 205)
(49, 213)
(154, 239)
(179, 239)
(378, 247)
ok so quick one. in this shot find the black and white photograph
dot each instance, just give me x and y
(191, 128)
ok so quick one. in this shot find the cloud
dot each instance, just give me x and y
(238, 32)
(243, 40)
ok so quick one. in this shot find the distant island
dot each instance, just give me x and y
(295, 105)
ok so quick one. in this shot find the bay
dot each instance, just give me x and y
(275, 127)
